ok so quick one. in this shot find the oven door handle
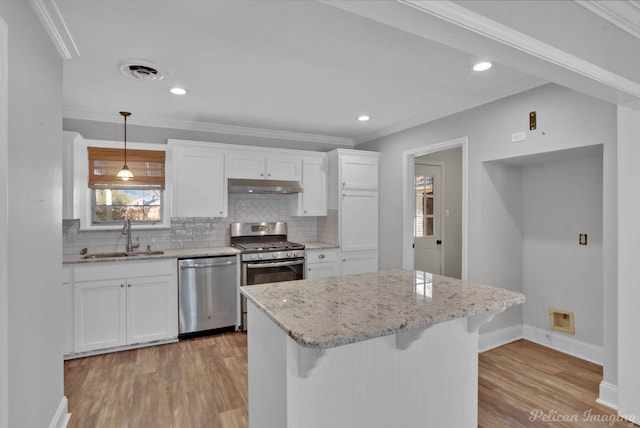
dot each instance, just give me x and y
(274, 264)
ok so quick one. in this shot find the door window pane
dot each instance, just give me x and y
(423, 217)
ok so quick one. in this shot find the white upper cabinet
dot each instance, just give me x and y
(69, 140)
(313, 201)
(359, 172)
(263, 165)
(199, 185)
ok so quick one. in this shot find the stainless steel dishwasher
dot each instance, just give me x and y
(207, 295)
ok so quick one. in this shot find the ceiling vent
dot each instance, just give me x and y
(141, 70)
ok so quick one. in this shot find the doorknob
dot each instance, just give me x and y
(438, 242)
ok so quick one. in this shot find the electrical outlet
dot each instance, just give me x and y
(583, 239)
(518, 136)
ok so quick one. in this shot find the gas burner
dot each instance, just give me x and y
(267, 246)
(262, 237)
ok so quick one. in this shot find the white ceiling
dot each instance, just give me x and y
(292, 69)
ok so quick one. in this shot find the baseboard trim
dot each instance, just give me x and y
(565, 344)
(62, 416)
(496, 338)
(608, 395)
(550, 339)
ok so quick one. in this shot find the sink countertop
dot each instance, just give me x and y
(168, 254)
(330, 312)
(319, 245)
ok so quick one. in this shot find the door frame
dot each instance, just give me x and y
(408, 170)
(440, 209)
(4, 225)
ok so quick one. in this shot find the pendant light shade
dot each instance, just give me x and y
(124, 173)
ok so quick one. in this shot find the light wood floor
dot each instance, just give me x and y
(522, 380)
(203, 383)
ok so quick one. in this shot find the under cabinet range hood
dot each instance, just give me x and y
(243, 185)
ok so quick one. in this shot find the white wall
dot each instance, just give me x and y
(566, 119)
(499, 259)
(35, 366)
(561, 200)
(452, 160)
(4, 225)
(628, 266)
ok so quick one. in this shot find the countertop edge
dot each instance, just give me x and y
(450, 314)
(319, 245)
(70, 259)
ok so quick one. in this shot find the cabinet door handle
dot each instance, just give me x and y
(129, 285)
(262, 174)
(321, 256)
(121, 285)
(269, 175)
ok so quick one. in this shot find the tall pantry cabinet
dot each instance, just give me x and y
(354, 194)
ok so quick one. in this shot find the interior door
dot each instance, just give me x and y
(427, 223)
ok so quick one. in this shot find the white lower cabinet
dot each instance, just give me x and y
(322, 263)
(124, 303)
(356, 262)
(67, 292)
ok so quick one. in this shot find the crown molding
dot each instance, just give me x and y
(505, 91)
(490, 29)
(624, 15)
(53, 21)
(141, 120)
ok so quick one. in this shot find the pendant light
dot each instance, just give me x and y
(124, 173)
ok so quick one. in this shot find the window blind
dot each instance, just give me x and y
(147, 167)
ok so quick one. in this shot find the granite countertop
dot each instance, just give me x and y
(329, 312)
(168, 254)
(319, 245)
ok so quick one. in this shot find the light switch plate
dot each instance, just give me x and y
(518, 136)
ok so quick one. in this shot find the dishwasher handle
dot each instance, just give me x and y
(207, 265)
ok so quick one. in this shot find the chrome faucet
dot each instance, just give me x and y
(126, 230)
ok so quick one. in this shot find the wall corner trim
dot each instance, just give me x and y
(608, 395)
(62, 415)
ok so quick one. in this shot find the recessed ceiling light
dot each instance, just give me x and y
(482, 66)
(178, 91)
(363, 118)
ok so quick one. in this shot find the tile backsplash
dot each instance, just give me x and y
(202, 232)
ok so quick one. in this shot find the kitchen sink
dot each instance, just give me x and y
(122, 255)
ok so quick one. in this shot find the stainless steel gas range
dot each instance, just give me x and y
(267, 256)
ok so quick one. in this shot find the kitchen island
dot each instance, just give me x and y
(384, 349)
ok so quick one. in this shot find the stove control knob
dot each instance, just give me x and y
(253, 256)
(260, 256)
(290, 254)
(274, 255)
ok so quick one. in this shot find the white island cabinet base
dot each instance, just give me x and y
(367, 384)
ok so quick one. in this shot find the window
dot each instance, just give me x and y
(424, 215)
(113, 200)
(114, 205)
